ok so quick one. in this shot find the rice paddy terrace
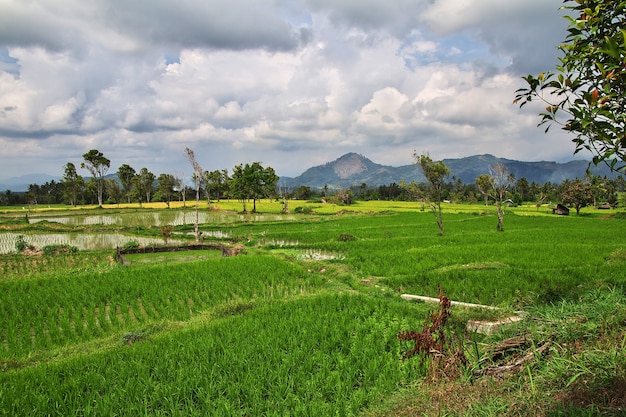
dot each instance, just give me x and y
(305, 319)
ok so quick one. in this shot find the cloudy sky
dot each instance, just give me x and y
(289, 83)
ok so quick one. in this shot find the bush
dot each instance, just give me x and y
(345, 237)
(130, 245)
(303, 210)
(20, 244)
(56, 249)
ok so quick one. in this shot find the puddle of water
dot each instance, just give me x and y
(160, 218)
(83, 241)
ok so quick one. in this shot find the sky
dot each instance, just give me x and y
(288, 83)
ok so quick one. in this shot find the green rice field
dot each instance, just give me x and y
(304, 321)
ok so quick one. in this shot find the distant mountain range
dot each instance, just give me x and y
(355, 169)
(21, 183)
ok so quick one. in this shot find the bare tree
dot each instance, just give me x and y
(179, 186)
(495, 186)
(197, 176)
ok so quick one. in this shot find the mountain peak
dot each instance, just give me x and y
(350, 164)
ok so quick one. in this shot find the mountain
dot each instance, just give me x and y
(354, 169)
(21, 183)
(350, 169)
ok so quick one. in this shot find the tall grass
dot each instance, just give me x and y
(79, 308)
(537, 258)
(321, 355)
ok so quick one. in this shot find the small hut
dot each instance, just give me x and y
(561, 210)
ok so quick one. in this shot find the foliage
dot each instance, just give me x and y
(436, 174)
(252, 181)
(113, 190)
(50, 250)
(577, 194)
(303, 210)
(496, 186)
(166, 184)
(215, 181)
(341, 198)
(73, 184)
(346, 237)
(126, 174)
(131, 244)
(21, 244)
(98, 165)
(587, 93)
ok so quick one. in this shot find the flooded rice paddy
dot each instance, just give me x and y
(110, 240)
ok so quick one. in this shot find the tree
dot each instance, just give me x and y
(126, 175)
(166, 184)
(197, 176)
(91, 191)
(602, 190)
(412, 190)
(587, 93)
(239, 187)
(523, 188)
(577, 194)
(253, 182)
(214, 181)
(496, 186)
(179, 186)
(263, 182)
(113, 190)
(73, 184)
(145, 183)
(33, 193)
(484, 183)
(436, 174)
(97, 165)
(303, 192)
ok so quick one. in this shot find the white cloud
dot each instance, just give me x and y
(291, 83)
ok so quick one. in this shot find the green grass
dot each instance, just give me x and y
(336, 354)
(304, 322)
(176, 256)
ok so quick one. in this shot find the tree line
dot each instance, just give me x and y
(251, 182)
(246, 182)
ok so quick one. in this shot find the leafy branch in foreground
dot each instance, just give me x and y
(587, 93)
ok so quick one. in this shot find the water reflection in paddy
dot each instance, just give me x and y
(97, 241)
(160, 218)
(83, 241)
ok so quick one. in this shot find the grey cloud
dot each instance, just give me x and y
(526, 32)
(136, 26)
(398, 17)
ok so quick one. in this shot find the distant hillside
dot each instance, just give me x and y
(354, 169)
(21, 183)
